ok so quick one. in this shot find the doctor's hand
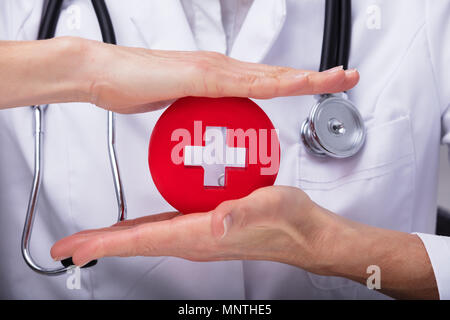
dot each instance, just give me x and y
(274, 223)
(131, 80)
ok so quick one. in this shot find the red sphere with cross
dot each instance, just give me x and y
(204, 151)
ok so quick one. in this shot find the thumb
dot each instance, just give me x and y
(222, 219)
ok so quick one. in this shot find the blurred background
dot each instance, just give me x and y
(444, 179)
(443, 222)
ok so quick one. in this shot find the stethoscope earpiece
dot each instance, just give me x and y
(334, 128)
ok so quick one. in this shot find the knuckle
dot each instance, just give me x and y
(276, 201)
(309, 84)
(278, 70)
(207, 59)
(201, 65)
(208, 65)
(220, 89)
(244, 211)
(251, 81)
(213, 57)
(224, 206)
(275, 88)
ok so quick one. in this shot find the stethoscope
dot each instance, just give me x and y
(333, 128)
(46, 31)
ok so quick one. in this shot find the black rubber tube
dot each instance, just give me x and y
(104, 21)
(345, 33)
(49, 20)
(330, 35)
(47, 29)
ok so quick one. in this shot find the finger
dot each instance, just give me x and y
(133, 222)
(65, 247)
(111, 228)
(289, 83)
(147, 219)
(218, 75)
(168, 237)
(144, 107)
(103, 244)
(351, 79)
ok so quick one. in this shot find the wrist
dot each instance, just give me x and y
(46, 71)
(75, 68)
(351, 248)
(348, 248)
(333, 243)
(350, 243)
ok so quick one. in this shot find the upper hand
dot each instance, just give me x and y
(129, 80)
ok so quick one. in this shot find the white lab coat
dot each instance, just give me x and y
(402, 50)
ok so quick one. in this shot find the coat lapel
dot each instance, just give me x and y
(259, 31)
(24, 18)
(162, 24)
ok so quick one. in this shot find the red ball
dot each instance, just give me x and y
(204, 151)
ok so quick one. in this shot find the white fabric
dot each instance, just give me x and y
(224, 18)
(438, 31)
(438, 249)
(403, 96)
(205, 20)
(234, 13)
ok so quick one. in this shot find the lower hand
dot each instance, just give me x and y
(273, 223)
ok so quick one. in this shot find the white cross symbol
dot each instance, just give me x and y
(214, 157)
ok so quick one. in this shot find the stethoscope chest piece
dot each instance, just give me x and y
(334, 128)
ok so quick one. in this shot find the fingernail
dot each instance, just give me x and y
(81, 265)
(350, 71)
(60, 258)
(226, 225)
(335, 69)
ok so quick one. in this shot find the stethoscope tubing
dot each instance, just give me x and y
(46, 31)
(336, 34)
